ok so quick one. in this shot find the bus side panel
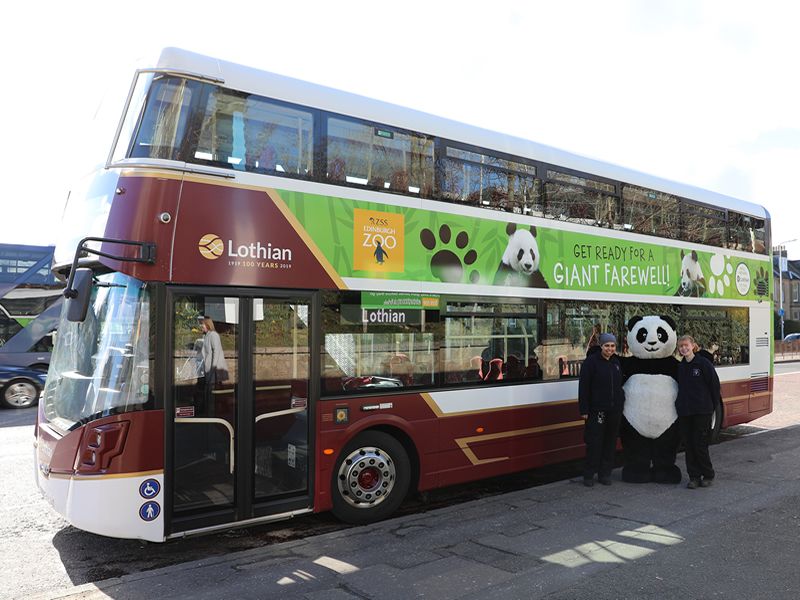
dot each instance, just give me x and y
(735, 402)
(761, 357)
(228, 235)
(136, 214)
(534, 435)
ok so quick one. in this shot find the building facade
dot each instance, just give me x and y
(791, 288)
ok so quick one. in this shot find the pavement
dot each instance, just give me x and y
(739, 538)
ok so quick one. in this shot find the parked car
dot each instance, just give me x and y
(20, 387)
(792, 337)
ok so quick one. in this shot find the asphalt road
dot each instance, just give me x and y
(42, 552)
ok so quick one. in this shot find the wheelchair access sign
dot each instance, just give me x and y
(149, 489)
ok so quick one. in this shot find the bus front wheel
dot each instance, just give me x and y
(370, 478)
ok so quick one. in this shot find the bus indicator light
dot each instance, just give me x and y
(328, 451)
(479, 430)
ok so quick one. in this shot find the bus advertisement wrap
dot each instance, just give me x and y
(377, 241)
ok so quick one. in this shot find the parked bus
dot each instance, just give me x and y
(286, 298)
(30, 305)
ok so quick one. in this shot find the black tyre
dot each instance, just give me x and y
(370, 478)
(19, 393)
(716, 424)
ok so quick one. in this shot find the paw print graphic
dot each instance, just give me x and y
(761, 282)
(447, 265)
(721, 271)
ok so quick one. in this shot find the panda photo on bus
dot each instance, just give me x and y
(693, 283)
(520, 263)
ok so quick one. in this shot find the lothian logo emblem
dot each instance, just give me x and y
(211, 246)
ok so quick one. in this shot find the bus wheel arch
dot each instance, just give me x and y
(372, 476)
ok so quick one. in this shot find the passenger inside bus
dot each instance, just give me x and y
(533, 370)
(337, 170)
(514, 367)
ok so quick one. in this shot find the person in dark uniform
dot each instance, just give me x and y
(600, 401)
(707, 354)
(698, 397)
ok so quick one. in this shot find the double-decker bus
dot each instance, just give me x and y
(294, 299)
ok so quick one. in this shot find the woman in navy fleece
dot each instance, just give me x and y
(698, 397)
(600, 401)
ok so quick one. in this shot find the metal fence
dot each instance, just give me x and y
(787, 350)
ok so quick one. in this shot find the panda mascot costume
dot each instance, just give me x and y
(649, 430)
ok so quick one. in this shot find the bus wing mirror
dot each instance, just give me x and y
(80, 293)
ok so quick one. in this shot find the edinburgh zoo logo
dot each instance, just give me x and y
(211, 246)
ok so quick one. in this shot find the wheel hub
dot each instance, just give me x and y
(21, 394)
(366, 477)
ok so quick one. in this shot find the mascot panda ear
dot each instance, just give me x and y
(511, 228)
(632, 323)
(533, 230)
(694, 255)
(670, 321)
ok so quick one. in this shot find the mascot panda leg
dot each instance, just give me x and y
(638, 453)
(665, 450)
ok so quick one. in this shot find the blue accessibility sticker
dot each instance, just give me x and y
(149, 489)
(149, 511)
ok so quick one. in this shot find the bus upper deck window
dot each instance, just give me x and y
(156, 122)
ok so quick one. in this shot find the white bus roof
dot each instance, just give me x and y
(300, 92)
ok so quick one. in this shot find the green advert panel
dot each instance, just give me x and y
(380, 241)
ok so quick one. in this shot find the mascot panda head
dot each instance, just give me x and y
(522, 252)
(652, 337)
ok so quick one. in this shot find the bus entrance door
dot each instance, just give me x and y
(240, 431)
(281, 374)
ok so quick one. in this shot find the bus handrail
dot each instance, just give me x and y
(279, 413)
(215, 421)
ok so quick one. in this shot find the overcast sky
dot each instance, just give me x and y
(699, 91)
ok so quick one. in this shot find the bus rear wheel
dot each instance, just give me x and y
(370, 478)
(716, 423)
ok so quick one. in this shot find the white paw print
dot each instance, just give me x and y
(721, 271)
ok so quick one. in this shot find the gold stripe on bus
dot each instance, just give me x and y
(464, 443)
(432, 404)
(84, 477)
(301, 231)
(154, 172)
